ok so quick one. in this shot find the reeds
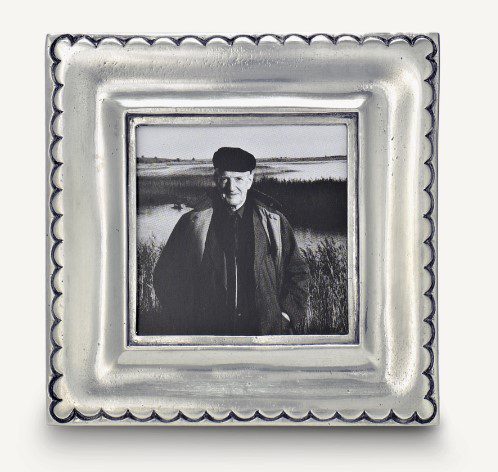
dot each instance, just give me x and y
(327, 289)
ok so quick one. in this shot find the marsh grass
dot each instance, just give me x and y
(328, 288)
(160, 190)
(319, 204)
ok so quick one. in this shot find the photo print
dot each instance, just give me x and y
(241, 230)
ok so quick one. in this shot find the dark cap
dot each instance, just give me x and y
(233, 159)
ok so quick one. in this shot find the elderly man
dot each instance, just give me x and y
(231, 265)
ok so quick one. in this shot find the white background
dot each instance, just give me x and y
(466, 438)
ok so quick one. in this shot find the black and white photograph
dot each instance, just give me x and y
(241, 230)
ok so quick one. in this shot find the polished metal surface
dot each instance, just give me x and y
(384, 88)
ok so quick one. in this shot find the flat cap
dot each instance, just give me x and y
(233, 159)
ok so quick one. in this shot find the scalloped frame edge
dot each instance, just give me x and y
(55, 241)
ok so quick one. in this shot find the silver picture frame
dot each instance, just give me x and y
(384, 88)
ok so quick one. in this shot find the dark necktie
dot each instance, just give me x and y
(232, 282)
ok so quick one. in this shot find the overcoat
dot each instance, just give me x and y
(185, 279)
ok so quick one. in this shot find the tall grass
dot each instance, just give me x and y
(327, 289)
(318, 204)
(159, 190)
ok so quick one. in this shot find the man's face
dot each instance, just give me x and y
(233, 186)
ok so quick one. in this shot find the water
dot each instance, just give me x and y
(334, 169)
(306, 170)
(155, 224)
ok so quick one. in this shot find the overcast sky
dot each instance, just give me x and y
(186, 142)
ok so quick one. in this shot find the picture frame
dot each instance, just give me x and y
(383, 89)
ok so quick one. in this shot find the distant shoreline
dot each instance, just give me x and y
(162, 160)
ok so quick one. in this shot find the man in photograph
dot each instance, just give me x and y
(232, 265)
